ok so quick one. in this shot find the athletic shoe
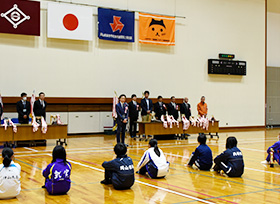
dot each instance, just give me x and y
(106, 182)
(265, 162)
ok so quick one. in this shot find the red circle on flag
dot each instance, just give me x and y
(70, 22)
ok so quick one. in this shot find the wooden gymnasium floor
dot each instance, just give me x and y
(259, 184)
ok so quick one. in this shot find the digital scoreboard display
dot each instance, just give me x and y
(226, 56)
(228, 67)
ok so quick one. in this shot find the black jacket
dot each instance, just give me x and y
(122, 171)
(39, 110)
(172, 111)
(186, 109)
(133, 111)
(1, 111)
(160, 110)
(233, 160)
(23, 110)
(144, 106)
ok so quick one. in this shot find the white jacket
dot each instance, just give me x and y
(160, 161)
(9, 180)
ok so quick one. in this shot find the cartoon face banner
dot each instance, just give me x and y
(154, 29)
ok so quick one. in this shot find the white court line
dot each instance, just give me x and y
(256, 150)
(147, 184)
(270, 172)
(34, 150)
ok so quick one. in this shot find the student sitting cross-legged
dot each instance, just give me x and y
(57, 173)
(9, 175)
(275, 150)
(231, 160)
(202, 157)
(153, 161)
(119, 171)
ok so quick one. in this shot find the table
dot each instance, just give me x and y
(156, 128)
(25, 132)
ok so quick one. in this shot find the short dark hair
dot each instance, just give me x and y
(120, 149)
(146, 92)
(202, 139)
(41, 93)
(122, 96)
(23, 94)
(202, 97)
(172, 97)
(231, 142)
(159, 97)
(133, 95)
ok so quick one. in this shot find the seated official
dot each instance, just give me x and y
(146, 106)
(40, 106)
(202, 107)
(172, 108)
(23, 109)
(159, 108)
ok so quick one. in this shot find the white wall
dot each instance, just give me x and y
(273, 39)
(95, 69)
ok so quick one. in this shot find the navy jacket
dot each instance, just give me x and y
(133, 111)
(39, 110)
(186, 109)
(122, 171)
(1, 111)
(144, 107)
(160, 110)
(233, 159)
(172, 111)
(23, 110)
(122, 112)
(203, 155)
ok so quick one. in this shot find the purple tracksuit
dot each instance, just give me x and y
(57, 176)
(276, 154)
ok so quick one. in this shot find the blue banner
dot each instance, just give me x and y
(115, 25)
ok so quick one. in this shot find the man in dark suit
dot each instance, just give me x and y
(146, 106)
(133, 115)
(186, 108)
(1, 112)
(23, 109)
(122, 118)
(160, 108)
(40, 106)
(172, 108)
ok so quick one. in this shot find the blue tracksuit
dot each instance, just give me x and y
(57, 176)
(276, 154)
(202, 157)
(120, 171)
(231, 162)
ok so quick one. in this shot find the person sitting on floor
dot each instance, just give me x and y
(202, 157)
(275, 150)
(119, 171)
(153, 161)
(231, 160)
(58, 173)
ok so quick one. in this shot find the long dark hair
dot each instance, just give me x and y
(59, 153)
(231, 142)
(153, 143)
(7, 154)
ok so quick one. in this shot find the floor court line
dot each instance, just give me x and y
(147, 183)
(34, 150)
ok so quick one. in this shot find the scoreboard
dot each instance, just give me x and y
(228, 67)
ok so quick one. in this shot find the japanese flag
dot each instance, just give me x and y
(67, 21)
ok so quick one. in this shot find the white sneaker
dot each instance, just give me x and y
(265, 162)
